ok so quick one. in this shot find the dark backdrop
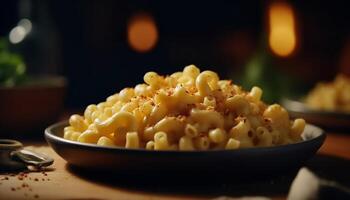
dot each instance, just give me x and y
(86, 41)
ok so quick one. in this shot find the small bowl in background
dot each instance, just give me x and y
(26, 110)
(330, 120)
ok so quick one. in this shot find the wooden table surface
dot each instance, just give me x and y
(62, 182)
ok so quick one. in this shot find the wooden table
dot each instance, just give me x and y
(63, 182)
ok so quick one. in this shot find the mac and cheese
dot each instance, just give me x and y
(333, 96)
(188, 110)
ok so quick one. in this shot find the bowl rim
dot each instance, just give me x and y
(300, 107)
(320, 137)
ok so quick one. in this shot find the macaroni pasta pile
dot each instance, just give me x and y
(188, 110)
(334, 96)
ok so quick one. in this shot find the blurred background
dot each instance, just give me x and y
(102, 46)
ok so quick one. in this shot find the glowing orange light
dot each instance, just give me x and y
(142, 32)
(282, 36)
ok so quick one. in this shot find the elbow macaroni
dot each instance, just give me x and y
(331, 96)
(188, 110)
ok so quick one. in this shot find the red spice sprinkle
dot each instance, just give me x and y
(43, 179)
(36, 179)
(5, 178)
(20, 178)
(48, 179)
(13, 189)
(36, 196)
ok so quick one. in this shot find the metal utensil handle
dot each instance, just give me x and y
(32, 158)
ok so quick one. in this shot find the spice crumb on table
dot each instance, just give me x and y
(20, 183)
(74, 187)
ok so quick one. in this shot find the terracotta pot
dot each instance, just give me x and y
(27, 109)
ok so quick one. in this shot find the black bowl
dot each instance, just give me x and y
(333, 120)
(247, 162)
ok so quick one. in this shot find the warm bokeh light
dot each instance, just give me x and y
(142, 32)
(18, 33)
(282, 33)
(26, 24)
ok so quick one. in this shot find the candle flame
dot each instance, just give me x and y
(282, 33)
